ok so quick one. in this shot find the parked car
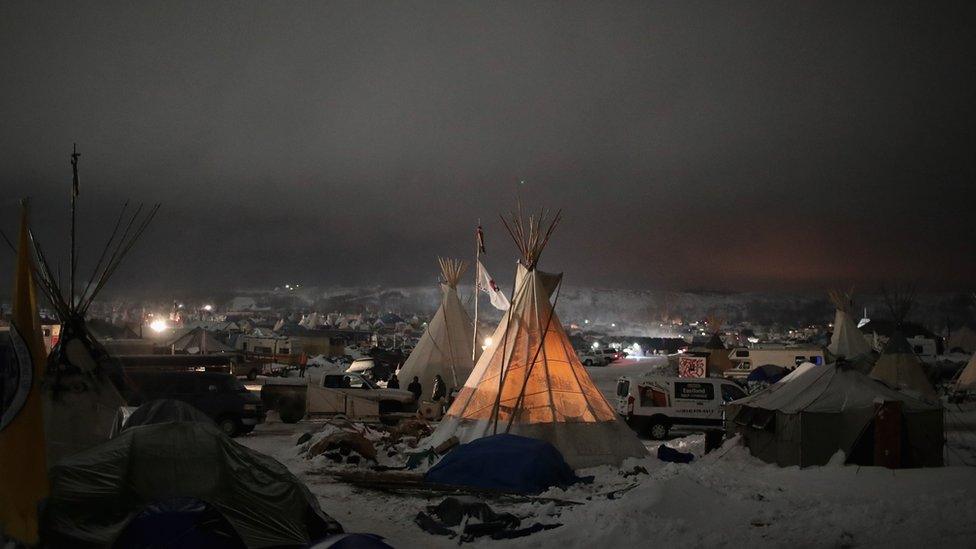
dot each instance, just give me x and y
(219, 395)
(349, 394)
(654, 406)
(592, 358)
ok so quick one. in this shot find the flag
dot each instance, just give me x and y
(487, 284)
(23, 463)
(481, 241)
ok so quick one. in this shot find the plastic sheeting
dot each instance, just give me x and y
(508, 463)
(94, 494)
(165, 411)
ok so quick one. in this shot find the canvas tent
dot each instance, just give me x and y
(847, 340)
(967, 377)
(445, 347)
(199, 340)
(817, 410)
(900, 368)
(96, 493)
(530, 382)
(718, 355)
(962, 340)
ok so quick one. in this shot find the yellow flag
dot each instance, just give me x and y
(23, 466)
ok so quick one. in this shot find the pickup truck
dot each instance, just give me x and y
(348, 394)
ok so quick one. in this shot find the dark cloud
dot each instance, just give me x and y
(739, 145)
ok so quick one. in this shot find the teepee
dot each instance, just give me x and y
(898, 366)
(718, 355)
(445, 348)
(847, 340)
(530, 381)
(81, 399)
(967, 377)
(198, 341)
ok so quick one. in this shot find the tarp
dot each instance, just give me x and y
(165, 411)
(508, 463)
(95, 493)
(767, 373)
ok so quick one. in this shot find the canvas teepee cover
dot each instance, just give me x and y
(847, 340)
(198, 341)
(899, 367)
(445, 348)
(530, 381)
(967, 378)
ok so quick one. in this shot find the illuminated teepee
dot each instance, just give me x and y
(530, 382)
(898, 366)
(445, 348)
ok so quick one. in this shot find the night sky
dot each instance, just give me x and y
(731, 145)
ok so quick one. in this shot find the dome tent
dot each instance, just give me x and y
(530, 382)
(97, 492)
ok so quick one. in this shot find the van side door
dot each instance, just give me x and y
(694, 402)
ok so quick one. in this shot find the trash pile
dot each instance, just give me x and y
(470, 518)
(344, 442)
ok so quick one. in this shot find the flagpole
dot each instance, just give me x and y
(477, 291)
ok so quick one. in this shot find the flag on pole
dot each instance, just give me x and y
(487, 284)
(481, 241)
(23, 462)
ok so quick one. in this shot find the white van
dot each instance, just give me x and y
(653, 406)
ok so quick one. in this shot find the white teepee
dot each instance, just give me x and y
(530, 381)
(445, 348)
(900, 368)
(967, 378)
(847, 340)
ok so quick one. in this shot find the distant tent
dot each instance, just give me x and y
(81, 400)
(718, 354)
(198, 341)
(445, 347)
(165, 411)
(898, 366)
(96, 493)
(530, 381)
(846, 341)
(963, 339)
(817, 410)
(967, 377)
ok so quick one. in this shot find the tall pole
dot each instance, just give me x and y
(477, 291)
(74, 194)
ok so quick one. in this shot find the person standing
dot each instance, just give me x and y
(302, 364)
(440, 389)
(393, 383)
(415, 388)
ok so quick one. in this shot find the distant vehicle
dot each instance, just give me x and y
(592, 358)
(218, 395)
(350, 394)
(745, 359)
(654, 406)
(376, 368)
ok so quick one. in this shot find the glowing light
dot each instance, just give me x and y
(208, 308)
(587, 321)
(596, 345)
(487, 342)
(613, 324)
(158, 325)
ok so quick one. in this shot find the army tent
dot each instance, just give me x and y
(530, 382)
(817, 410)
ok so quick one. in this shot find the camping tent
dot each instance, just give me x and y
(847, 340)
(95, 493)
(962, 340)
(198, 341)
(445, 348)
(817, 410)
(530, 381)
(900, 368)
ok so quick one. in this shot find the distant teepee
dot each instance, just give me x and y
(530, 381)
(898, 366)
(847, 340)
(445, 348)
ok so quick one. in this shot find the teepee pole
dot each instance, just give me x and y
(74, 195)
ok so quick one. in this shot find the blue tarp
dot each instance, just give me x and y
(507, 463)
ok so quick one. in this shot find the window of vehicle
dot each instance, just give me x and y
(799, 360)
(623, 388)
(918, 349)
(232, 385)
(694, 390)
(731, 392)
(744, 365)
(742, 353)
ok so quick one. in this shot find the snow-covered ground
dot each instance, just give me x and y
(726, 498)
